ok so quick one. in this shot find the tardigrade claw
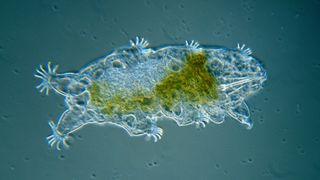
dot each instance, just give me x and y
(203, 118)
(139, 43)
(45, 74)
(155, 133)
(202, 123)
(56, 138)
(242, 48)
(192, 45)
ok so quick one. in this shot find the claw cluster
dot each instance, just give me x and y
(156, 133)
(45, 75)
(202, 123)
(139, 43)
(242, 48)
(56, 139)
(193, 44)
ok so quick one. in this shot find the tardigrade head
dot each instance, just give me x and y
(238, 73)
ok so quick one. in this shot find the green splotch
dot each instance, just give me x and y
(192, 83)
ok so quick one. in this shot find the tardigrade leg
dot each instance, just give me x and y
(214, 112)
(185, 114)
(142, 126)
(244, 50)
(202, 117)
(70, 121)
(192, 45)
(181, 113)
(64, 84)
(153, 131)
(139, 43)
(241, 113)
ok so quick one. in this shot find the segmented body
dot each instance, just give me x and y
(135, 87)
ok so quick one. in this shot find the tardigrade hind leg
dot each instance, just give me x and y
(45, 74)
(70, 121)
(66, 84)
(57, 138)
(142, 126)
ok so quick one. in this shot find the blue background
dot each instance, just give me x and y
(283, 144)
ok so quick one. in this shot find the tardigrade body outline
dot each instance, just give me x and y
(136, 86)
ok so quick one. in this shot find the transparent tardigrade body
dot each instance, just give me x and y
(238, 73)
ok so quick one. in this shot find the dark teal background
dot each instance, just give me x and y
(283, 144)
